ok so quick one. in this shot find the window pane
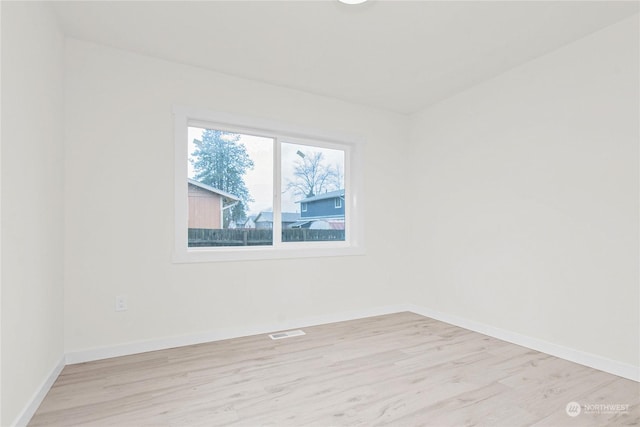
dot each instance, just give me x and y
(230, 189)
(313, 194)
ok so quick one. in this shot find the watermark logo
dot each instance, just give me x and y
(605, 408)
(573, 409)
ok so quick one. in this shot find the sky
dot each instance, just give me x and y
(259, 180)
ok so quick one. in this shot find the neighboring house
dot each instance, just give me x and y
(206, 205)
(264, 220)
(250, 222)
(243, 223)
(323, 206)
(323, 211)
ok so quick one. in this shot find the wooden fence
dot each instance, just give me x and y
(202, 237)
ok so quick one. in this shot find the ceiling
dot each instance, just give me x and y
(395, 55)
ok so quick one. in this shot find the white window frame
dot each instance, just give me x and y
(303, 206)
(337, 203)
(281, 133)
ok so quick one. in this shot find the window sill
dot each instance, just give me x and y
(195, 255)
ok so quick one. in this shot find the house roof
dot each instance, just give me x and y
(212, 189)
(267, 216)
(333, 225)
(329, 195)
(299, 224)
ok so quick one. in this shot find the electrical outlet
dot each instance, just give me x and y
(121, 303)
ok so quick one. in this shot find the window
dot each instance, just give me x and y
(251, 189)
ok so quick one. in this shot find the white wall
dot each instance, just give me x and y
(119, 207)
(32, 198)
(528, 190)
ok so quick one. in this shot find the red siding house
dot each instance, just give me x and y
(206, 205)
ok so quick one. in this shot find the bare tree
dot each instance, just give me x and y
(312, 176)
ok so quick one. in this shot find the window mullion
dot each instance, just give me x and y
(277, 193)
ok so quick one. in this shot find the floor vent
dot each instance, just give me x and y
(288, 334)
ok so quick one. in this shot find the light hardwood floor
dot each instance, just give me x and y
(400, 369)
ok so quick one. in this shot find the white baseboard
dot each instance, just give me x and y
(223, 334)
(588, 359)
(27, 413)
(615, 367)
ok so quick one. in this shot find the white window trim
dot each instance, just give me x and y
(354, 205)
(337, 203)
(303, 206)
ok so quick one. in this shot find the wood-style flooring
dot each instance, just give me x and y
(401, 370)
